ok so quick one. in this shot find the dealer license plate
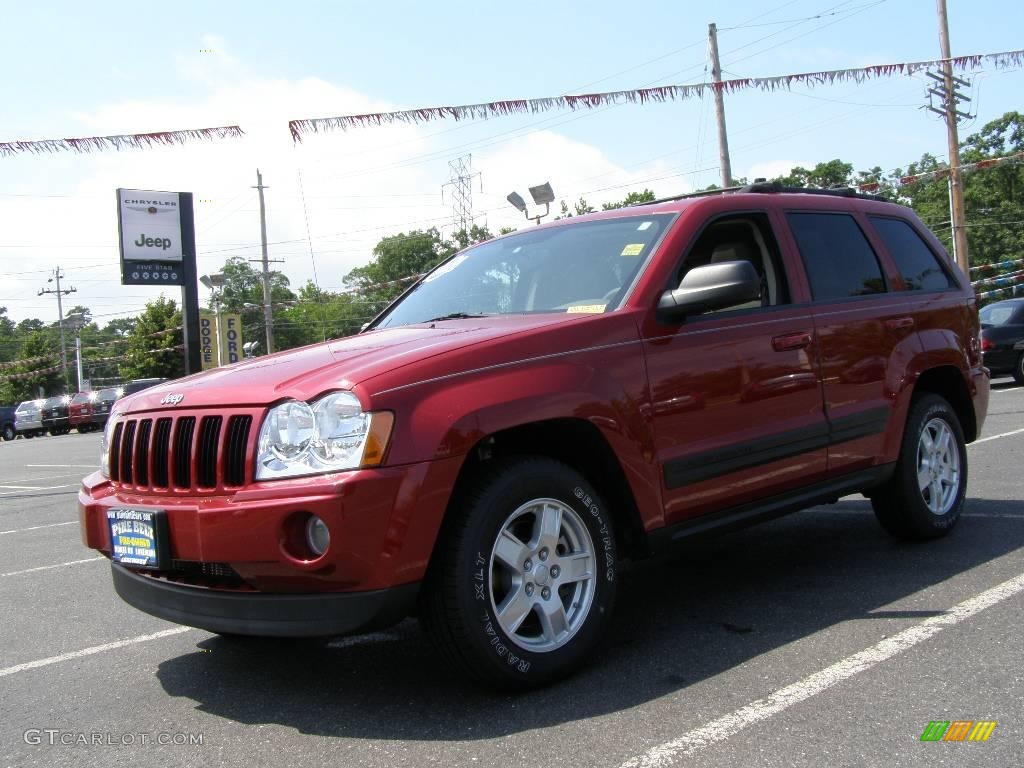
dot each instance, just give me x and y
(138, 537)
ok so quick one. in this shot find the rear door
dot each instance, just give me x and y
(862, 324)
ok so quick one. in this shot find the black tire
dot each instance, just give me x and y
(1018, 370)
(9, 433)
(467, 579)
(901, 505)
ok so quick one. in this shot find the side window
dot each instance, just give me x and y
(917, 263)
(840, 261)
(742, 238)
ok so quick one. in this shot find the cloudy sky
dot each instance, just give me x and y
(106, 68)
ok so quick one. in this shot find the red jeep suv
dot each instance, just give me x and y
(541, 406)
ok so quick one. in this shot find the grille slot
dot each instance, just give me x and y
(115, 452)
(142, 452)
(183, 451)
(161, 452)
(234, 454)
(209, 436)
(127, 451)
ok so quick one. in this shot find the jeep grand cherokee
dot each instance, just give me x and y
(541, 406)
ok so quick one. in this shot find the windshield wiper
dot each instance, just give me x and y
(454, 316)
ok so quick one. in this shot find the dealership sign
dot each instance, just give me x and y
(149, 224)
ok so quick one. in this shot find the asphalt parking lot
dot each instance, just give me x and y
(809, 641)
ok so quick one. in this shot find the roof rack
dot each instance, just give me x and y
(764, 187)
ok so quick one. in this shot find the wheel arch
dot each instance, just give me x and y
(947, 381)
(579, 444)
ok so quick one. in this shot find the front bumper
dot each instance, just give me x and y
(318, 614)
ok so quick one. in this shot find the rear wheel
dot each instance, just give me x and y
(9, 433)
(1018, 370)
(522, 583)
(925, 495)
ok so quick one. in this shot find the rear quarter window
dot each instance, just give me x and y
(920, 268)
(839, 260)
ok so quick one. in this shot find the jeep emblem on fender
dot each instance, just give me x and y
(173, 399)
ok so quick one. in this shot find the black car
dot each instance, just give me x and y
(1002, 338)
(55, 415)
(102, 403)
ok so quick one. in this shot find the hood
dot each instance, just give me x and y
(307, 372)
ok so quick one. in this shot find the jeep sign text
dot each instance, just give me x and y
(150, 225)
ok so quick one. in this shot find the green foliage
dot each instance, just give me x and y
(633, 198)
(151, 346)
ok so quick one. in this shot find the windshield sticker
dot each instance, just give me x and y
(633, 249)
(645, 226)
(590, 309)
(446, 268)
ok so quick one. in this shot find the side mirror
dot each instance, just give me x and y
(713, 286)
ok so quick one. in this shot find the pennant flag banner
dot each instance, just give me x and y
(662, 93)
(998, 265)
(119, 142)
(1009, 279)
(26, 361)
(30, 374)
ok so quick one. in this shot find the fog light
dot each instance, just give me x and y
(317, 536)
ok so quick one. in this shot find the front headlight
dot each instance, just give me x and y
(108, 431)
(332, 434)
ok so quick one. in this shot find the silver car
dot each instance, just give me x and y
(28, 419)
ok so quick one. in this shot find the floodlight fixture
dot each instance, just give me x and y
(216, 280)
(543, 193)
(517, 200)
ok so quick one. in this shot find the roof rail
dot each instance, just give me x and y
(765, 187)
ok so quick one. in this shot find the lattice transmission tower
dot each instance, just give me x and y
(461, 183)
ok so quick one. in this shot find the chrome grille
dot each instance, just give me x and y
(182, 451)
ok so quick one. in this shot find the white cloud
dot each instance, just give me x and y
(359, 185)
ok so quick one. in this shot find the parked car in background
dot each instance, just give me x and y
(137, 385)
(80, 412)
(102, 402)
(55, 415)
(1002, 338)
(7, 415)
(28, 419)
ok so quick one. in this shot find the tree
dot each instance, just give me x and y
(244, 285)
(154, 347)
(633, 198)
(395, 259)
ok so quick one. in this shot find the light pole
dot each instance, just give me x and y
(542, 194)
(77, 321)
(214, 282)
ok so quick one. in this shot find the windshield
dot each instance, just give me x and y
(997, 314)
(585, 267)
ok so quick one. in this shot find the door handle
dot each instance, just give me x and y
(899, 323)
(791, 341)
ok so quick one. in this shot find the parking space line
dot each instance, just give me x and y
(38, 527)
(27, 487)
(728, 725)
(90, 651)
(50, 567)
(66, 466)
(996, 437)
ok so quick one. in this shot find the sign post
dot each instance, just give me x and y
(157, 236)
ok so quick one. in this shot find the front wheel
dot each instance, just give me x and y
(522, 584)
(9, 433)
(925, 495)
(1018, 370)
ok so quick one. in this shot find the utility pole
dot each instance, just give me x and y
(60, 313)
(268, 314)
(716, 76)
(956, 189)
